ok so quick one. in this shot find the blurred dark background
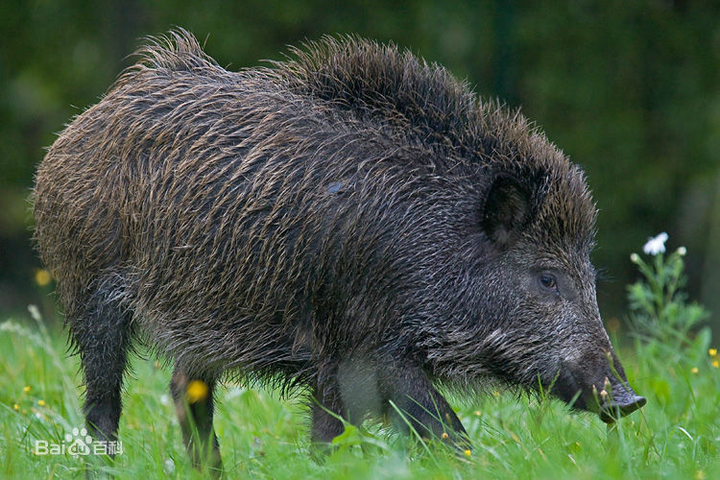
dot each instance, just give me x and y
(628, 89)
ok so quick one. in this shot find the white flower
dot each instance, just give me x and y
(682, 251)
(656, 245)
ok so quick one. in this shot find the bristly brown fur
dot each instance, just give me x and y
(349, 209)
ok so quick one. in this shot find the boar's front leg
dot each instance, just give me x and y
(421, 407)
(327, 408)
(360, 388)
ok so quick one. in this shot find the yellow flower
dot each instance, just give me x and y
(26, 389)
(16, 407)
(445, 435)
(467, 453)
(694, 369)
(41, 403)
(197, 390)
(716, 363)
(42, 277)
(613, 325)
(713, 352)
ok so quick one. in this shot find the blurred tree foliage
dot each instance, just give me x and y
(628, 89)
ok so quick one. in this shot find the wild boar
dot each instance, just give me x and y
(353, 220)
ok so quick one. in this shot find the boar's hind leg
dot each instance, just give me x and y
(421, 407)
(193, 397)
(101, 333)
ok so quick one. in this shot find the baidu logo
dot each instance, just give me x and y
(78, 443)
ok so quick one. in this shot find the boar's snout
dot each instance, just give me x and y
(605, 394)
(622, 401)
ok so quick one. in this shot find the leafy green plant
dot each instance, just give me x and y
(660, 313)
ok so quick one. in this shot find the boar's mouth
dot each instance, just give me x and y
(610, 398)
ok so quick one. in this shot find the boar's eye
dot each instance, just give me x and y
(548, 281)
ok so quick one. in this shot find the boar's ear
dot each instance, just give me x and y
(507, 211)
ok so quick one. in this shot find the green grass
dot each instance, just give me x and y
(677, 435)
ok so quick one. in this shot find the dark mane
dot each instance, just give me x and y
(382, 83)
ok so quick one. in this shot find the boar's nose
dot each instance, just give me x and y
(623, 402)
